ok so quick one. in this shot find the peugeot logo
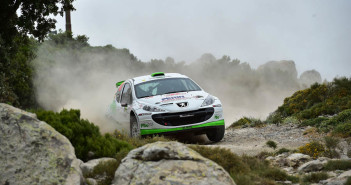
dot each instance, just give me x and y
(182, 104)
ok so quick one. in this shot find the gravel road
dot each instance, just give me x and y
(251, 141)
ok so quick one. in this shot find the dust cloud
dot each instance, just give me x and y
(75, 75)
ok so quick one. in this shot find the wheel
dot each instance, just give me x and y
(216, 134)
(134, 127)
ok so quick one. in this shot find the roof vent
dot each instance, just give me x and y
(157, 74)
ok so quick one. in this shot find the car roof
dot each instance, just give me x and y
(141, 79)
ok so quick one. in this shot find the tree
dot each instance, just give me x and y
(29, 17)
(20, 19)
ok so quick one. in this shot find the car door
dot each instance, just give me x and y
(125, 103)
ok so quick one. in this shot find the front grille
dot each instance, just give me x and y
(183, 118)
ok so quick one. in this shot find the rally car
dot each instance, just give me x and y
(166, 103)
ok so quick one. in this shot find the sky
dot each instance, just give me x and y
(313, 33)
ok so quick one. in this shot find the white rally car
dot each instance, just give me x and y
(163, 103)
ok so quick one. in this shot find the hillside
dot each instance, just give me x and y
(325, 106)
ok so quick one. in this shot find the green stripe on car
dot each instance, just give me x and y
(155, 131)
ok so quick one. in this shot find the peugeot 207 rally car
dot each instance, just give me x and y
(163, 103)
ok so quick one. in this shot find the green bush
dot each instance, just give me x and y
(282, 150)
(104, 172)
(313, 121)
(343, 130)
(244, 170)
(84, 136)
(315, 177)
(337, 165)
(318, 100)
(271, 144)
(331, 143)
(247, 122)
(348, 181)
(241, 122)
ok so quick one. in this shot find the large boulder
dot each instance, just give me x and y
(296, 159)
(311, 166)
(32, 152)
(169, 163)
(310, 77)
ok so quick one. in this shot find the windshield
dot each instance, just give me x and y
(165, 86)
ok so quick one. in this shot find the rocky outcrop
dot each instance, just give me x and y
(32, 152)
(296, 159)
(169, 163)
(311, 166)
(310, 77)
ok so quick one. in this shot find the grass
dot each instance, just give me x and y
(348, 181)
(245, 170)
(337, 165)
(104, 172)
(282, 150)
(315, 177)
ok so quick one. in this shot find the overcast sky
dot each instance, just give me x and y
(316, 34)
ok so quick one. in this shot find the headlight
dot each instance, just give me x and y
(208, 101)
(152, 109)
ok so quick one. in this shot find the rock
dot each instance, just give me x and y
(32, 152)
(91, 181)
(89, 166)
(345, 175)
(310, 77)
(311, 166)
(169, 163)
(297, 159)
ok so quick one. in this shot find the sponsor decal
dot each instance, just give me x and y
(144, 125)
(173, 98)
(174, 94)
(217, 116)
(182, 104)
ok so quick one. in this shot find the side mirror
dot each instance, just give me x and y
(124, 104)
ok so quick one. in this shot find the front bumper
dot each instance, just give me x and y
(187, 128)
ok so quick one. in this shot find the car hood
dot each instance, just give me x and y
(172, 102)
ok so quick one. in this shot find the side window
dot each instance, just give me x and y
(127, 94)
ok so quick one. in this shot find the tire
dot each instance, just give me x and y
(216, 134)
(134, 127)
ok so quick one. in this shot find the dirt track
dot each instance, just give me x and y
(251, 141)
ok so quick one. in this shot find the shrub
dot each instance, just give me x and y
(84, 135)
(241, 122)
(313, 149)
(275, 174)
(225, 158)
(313, 122)
(271, 144)
(282, 150)
(244, 170)
(104, 172)
(337, 165)
(348, 181)
(245, 122)
(315, 177)
(331, 143)
(291, 120)
(343, 130)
